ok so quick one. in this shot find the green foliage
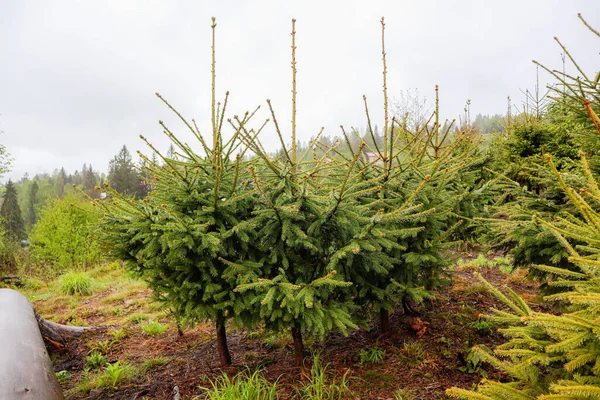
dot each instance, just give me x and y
(404, 394)
(76, 283)
(102, 347)
(482, 325)
(320, 386)
(244, 386)
(65, 236)
(473, 362)
(138, 318)
(556, 356)
(63, 376)
(14, 226)
(118, 335)
(154, 328)
(96, 360)
(32, 202)
(124, 177)
(114, 374)
(373, 355)
(298, 243)
(33, 284)
(154, 363)
(413, 352)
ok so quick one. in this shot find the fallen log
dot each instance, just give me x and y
(25, 368)
(58, 333)
(11, 279)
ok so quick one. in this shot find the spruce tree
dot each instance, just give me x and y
(422, 183)
(32, 203)
(190, 238)
(323, 243)
(556, 355)
(123, 175)
(11, 214)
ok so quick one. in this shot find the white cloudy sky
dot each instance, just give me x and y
(77, 78)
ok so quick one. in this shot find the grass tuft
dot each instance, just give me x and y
(76, 284)
(243, 386)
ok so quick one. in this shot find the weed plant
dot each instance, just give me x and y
(114, 374)
(154, 328)
(96, 360)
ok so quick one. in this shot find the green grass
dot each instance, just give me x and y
(138, 318)
(404, 394)
(322, 387)
(154, 363)
(118, 335)
(373, 355)
(244, 386)
(413, 352)
(76, 284)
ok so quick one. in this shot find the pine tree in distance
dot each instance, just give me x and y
(11, 214)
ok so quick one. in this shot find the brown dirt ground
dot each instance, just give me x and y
(427, 365)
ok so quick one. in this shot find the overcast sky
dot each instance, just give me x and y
(77, 78)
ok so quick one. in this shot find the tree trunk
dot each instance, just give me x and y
(298, 345)
(384, 319)
(26, 371)
(222, 348)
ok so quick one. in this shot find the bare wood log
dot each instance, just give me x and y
(61, 333)
(25, 368)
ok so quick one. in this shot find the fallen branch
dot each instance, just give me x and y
(176, 395)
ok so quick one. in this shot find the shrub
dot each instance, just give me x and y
(76, 283)
(63, 236)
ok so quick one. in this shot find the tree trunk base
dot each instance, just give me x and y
(298, 347)
(384, 321)
(222, 347)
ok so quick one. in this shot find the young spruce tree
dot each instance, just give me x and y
(189, 237)
(555, 356)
